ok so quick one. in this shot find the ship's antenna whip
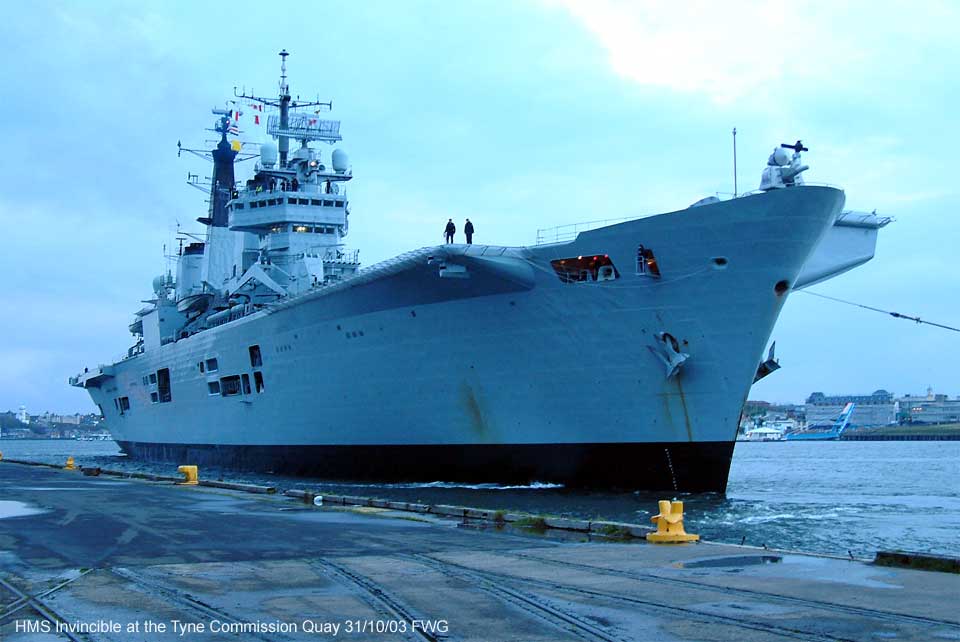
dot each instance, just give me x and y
(893, 314)
(283, 72)
(734, 162)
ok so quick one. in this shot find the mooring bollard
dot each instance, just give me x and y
(69, 465)
(190, 475)
(670, 525)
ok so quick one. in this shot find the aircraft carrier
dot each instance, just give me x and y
(620, 358)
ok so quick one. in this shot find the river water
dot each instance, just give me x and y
(845, 498)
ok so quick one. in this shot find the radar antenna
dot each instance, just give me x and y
(281, 128)
(797, 147)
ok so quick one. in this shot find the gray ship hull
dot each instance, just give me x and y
(508, 374)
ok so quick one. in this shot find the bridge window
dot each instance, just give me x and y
(153, 377)
(328, 203)
(583, 269)
(213, 387)
(291, 201)
(301, 228)
(315, 202)
(154, 397)
(212, 365)
(338, 203)
(258, 381)
(245, 378)
(124, 404)
(304, 201)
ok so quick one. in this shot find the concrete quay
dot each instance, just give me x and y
(102, 558)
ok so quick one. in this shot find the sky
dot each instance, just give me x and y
(519, 115)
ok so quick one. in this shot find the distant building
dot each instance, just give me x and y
(929, 409)
(22, 415)
(877, 409)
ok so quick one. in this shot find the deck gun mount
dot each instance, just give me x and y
(782, 171)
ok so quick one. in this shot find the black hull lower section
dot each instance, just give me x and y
(683, 466)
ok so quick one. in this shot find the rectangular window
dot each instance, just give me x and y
(124, 404)
(245, 378)
(301, 228)
(213, 387)
(339, 203)
(256, 360)
(163, 385)
(153, 377)
(258, 381)
(583, 269)
(212, 365)
(154, 397)
(275, 201)
(304, 201)
(314, 201)
(292, 201)
(647, 262)
(201, 367)
(328, 203)
(230, 386)
(254, 204)
(238, 206)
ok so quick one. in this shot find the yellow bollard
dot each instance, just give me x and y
(190, 475)
(670, 525)
(69, 465)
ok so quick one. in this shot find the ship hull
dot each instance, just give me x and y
(509, 374)
(669, 466)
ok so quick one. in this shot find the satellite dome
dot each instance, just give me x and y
(158, 284)
(268, 154)
(781, 157)
(340, 161)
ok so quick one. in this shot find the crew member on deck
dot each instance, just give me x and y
(295, 184)
(450, 230)
(468, 230)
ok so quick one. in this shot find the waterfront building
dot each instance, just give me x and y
(22, 415)
(929, 409)
(876, 409)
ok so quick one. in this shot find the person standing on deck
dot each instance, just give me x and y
(468, 230)
(450, 230)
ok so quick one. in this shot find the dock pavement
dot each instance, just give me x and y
(103, 558)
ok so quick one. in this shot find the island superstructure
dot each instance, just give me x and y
(620, 358)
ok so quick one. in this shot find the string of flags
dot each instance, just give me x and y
(236, 113)
(256, 107)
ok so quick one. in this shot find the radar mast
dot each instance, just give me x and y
(281, 127)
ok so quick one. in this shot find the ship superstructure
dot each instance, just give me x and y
(619, 358)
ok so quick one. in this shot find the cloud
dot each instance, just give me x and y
(734, 50)
(721, 49)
